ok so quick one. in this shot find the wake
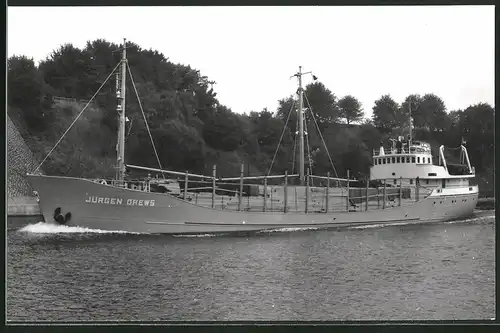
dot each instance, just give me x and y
(47, 228)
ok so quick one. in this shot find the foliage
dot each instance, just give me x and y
(386, 114)
(192, 130)
(350, 109)
(223, 131)
(323, 104)
(27, 91)
(477, 122)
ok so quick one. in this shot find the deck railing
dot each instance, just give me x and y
(396, 151)
(242, 194)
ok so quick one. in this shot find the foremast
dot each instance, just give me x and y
(300, 112)
(120, 108)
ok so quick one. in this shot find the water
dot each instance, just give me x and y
(401, 272)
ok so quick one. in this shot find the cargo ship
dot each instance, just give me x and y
(413, 188)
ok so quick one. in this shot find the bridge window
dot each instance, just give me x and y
(429, 160)
(413, 159)
(418, 159)
(374, 161)
(388, 160)
(395, 182)
(427, 181)
(398, 160)
(393, 160)
(411, 181)
(407, 159)
(383, 160)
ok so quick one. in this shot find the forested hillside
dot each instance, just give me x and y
(193, 130)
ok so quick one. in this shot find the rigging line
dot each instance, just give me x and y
(130, 128)
(145, 120)
(282, 133)
(78, 116)
(295, 146)
(308, 148)
(321, 136)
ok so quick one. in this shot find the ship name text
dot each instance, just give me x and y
(119, 201)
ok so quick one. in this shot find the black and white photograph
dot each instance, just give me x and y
(247, 163)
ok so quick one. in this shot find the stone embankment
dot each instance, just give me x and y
(20, 160)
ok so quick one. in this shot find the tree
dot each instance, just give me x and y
(433, 111)
(385, 113)
(27, 91)
(323, 104)
(477, 123)
(350, 109)
(412, 104)
(69, 70)
(267, 129)
(288, 106)
(192, 130)
(224, 131)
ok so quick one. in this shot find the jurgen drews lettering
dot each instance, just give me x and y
(119, 201)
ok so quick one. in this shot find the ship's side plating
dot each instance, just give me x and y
(105, 207)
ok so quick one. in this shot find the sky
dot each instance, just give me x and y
(251, 52)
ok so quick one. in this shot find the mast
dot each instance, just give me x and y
(120, 108)
(301, 128)
(300, 112)
(411, 130)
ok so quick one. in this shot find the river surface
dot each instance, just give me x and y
(399, 272)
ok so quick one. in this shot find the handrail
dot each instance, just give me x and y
(177, 173)
(413, 150)
(332, 178)
(257, 177)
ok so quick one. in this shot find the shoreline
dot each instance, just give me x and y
(487, 203)
(22, 206)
